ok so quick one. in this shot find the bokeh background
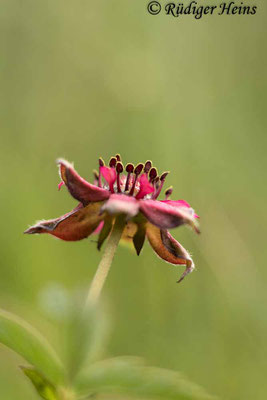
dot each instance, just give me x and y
(83, 79)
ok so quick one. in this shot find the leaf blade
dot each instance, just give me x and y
(122, 377)
(26, 341)
(44, 388)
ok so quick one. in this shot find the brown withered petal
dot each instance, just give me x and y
(168, 248)
(75, 225)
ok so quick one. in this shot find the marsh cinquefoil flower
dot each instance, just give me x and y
(134, 195)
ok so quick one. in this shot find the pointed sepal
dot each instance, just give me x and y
(104, 233)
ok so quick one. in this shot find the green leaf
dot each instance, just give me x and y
(21, 337)
(44, 388)
(121, 376)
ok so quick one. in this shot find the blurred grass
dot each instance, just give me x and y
(82, 79)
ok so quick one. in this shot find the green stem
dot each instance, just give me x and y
(105, 263)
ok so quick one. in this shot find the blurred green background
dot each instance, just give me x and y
(83, 79)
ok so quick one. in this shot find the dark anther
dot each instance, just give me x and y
(148, 166)
(168, 192)
(113, 162)
(119, 167)
(101, 162)
(153, 173)
(138, 169)
(118, 157)
(129, 168)
(163, 176)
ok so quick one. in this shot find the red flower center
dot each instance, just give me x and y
(139, 181)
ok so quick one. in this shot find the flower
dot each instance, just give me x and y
(134, 195)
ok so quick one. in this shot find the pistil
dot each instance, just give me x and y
(162, 180)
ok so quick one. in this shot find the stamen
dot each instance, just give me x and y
(168, 192)
(152, 174)
(156, 182)
(164, 175)
(129, 168)
(119, 170)
(118, 157)
(138, 169)
(101, 164)
(113, 162)
(162, 180)
(147, 167)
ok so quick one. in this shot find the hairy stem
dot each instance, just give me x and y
(105, 263)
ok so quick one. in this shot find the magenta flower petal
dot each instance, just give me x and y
(121, 204)
(166, 216)
(180, 203)
(109, 175)
(78, 187)
(75, 225)
(145, 187)
(167, 248)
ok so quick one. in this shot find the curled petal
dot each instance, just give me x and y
(145, 187)
(121, 204)
(78, 187)
(181, 204)
(166, 216)
(75, 225)
(167, 248)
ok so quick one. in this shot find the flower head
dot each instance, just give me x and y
(133, 192)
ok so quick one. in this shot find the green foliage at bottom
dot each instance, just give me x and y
(44, 388)
(121, 375)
